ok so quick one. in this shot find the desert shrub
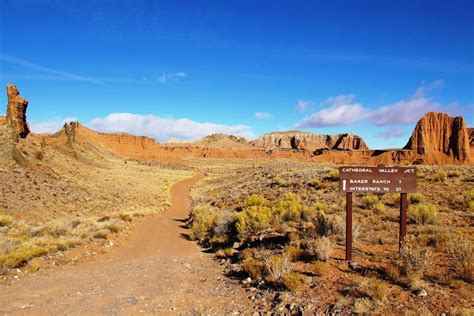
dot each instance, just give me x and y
(334, 175)
(204, 219)
(276, 266)
(279, 181)
(318, 206)
(320, 248)
(253, 219)
(415, 198)
(379, 208)
(415, 260)
(293, 281)
(315, 183)
(461, 252)
(5, 220)
(369, 200)
(255, 200)
(21, 256)
(319, 268)
(440, 176)
(290, 208)
(422, 213)
(469, 197)
(470, 206)
(254, 268)
(294, 252)
(454, 174)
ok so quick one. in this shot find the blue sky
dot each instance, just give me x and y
(182, 69)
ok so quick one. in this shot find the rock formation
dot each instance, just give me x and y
(16, 112)
(438, 134)
(310, 141)
(471, 138)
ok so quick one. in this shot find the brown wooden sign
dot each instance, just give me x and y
(377, 179)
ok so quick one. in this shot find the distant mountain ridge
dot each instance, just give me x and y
(436, 139)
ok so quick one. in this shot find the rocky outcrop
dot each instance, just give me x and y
(470, 131)
(309, 141)
(16, 112)
(438, 134)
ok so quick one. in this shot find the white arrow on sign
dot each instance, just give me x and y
(344, 185)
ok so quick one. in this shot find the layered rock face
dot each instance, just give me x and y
(16, 112)
(310, 141)
(438, 133)
(471, 138)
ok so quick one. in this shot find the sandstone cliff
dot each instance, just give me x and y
(309, 141)
(438, 136)
(16, 112)
(471, 138)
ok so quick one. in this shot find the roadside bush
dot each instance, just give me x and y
(253, 219)
(469, 197)
(422, 213)
(254, 268)
(204, 219)
(461, 252)
(379, 208)
(369, 200)
(326, 225)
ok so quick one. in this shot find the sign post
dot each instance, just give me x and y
(376, 180)
(349, 226)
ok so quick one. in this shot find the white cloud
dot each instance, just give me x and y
(342, 111)
(50, 126)
(166, 77)
(163, 129)
(303, 105)
(263, 115)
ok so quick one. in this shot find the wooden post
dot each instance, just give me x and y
(403, 218)
(349, 226)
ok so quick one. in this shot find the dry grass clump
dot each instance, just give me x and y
(293, 282)
(440, 176)
(415, 198)
(254, 268)
(334, 175)
(319, 248)
(370, 200)
(276, 266)
(414, 261)
(5, 220)
(461, 251)
(423, 213)
(319, 268)
(379, 289)
(469, 199)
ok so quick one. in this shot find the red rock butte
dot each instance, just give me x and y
(436, 139)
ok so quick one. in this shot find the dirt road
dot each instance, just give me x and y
(156, 271)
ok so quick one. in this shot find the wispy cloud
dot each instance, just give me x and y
(166, 77)
(163, 129)
(263, 115)
(46, 70)
(302, 105)
(343, 110)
